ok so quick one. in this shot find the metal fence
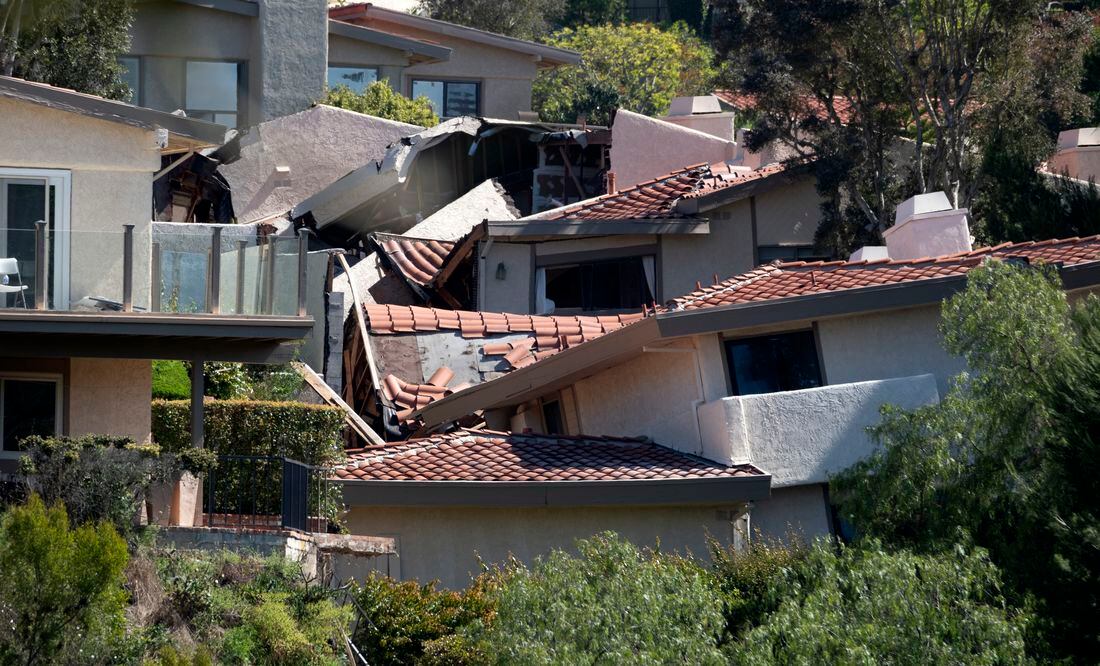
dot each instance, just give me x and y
(267, 492)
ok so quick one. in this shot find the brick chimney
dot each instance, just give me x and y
(928, 226)
(1078, 154)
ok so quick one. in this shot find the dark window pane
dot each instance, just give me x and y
(772, 363)
(564, 286)
(766, 254)
(356, 78)
(551, 418)
(619, 284)
(29, 408)
(461, 99)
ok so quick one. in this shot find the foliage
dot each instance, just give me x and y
(866, 606)
(102, 478)
(1004, 448)
(639, 67)
(898, 98)
(61, 595)
(171, 380)
(309, 433)
(523, 19)
(380, 100)
(169, 656)
(291, 630)
(611, 604)
(594, 12)
(68, 43)
(745, 578)
(408, 623)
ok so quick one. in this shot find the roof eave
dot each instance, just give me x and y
(634, 226)
(649, 492)
(429, 52)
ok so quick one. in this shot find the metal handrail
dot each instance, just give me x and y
(297, 502)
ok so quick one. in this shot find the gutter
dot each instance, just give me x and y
(645, 227)
(511, 494)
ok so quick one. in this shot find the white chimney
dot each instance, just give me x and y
(928, 226)
(1078, 154)
(870, 253)
(703, 114)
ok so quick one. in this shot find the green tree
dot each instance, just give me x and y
(68, 43)
(382, 101)
(868, 606)
(639, 67)
(61, 595)
(611, 604)
(991, 462)
(523, 19)
(594, 12)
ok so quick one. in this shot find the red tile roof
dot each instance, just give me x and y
(748, 101)
(652, 199)
(722, 177)
(551, 333)
(468, 455)
(418, 259)
(407, 397)
(801, 278)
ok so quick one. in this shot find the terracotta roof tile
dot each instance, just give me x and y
(799, 278)
(748, 101)
(551, 334)
(652, 199)
(418, 259)
(467, 455)
(406, 397)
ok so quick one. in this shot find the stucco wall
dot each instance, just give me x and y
(293, 55)
(788, 215)
(110, 396)
(633, 158)
(1081, 162)
(726, 251)
(888, 344)
(797, 513)
(803, 437)
(513, 294)
(391, 63)
(444, 543)
(111, 168)
(505, 75)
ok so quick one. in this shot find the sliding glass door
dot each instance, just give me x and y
(28, 196)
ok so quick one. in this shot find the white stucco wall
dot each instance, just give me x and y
(644, 148)
(803, 437)
(445, 544)
(1081, 162)
(512, 294)
(111, 167)
(320, 145)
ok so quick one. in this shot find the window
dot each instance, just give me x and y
(356, 78)
(551, 417)
(212, 90)
(29, 405)
(131, 76)
(449, 98)
(768, 253)
(28, 196)
(773, 363)
(616, 284)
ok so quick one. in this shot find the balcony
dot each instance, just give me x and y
(219, 291)
(804, 437)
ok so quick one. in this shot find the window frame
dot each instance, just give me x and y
(555, 399)
(564, 259)
(731, 378)
(342, 65)
(447, 81)
(795, 247)
(61, 181)
(242, 91)
(59, 407)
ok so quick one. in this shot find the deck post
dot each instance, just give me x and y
(197, 434)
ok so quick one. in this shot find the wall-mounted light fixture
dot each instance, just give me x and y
(502, 271)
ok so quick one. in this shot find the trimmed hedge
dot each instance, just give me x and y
(309, 433)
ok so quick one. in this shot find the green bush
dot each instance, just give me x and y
(381, 101)
(309, 433)
(170, 380)
(867, 606)
(408, 623)
(61, 594)
(612, 604)
(745, 579)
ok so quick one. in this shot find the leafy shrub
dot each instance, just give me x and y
(101, 477)
(381, 101)
(408, 623)
(169, 656)
(170, 380)
(611, 604)
(745, 578)
(294, 629)
(866, 606)
(309, 433)
(61, 595)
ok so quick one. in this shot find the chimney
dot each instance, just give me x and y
(611, 188)
(1078, 154)
(702, 114)
(927, 226)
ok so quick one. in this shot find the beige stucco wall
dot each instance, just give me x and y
(445, 543)
(505, 75)
(726, 251)
(391, 63)
(513, 294)
(109, 396)
(798, 513)
(111, 168)
(633, 158)
(788, 215)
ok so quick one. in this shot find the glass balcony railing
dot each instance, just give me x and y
(222, 270)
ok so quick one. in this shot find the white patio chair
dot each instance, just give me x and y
(8, 267)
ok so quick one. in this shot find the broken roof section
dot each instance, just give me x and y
(183, 133)
(487, 201)
(277, 164)
(426, 171)
(369, 14)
